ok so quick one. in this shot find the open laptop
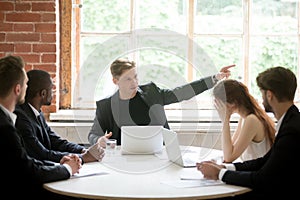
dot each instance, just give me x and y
(175, 153)
(141, 139)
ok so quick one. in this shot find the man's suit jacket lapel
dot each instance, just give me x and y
(42, 134)
(6, 118)
(156, 111)
(285, 120)
(146, 98)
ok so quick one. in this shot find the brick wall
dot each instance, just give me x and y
(28, 28)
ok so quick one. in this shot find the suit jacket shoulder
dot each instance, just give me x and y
(290, 123)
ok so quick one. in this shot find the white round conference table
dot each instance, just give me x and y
(144, 177)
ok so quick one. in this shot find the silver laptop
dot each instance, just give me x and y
(141, 139)
(175, 153)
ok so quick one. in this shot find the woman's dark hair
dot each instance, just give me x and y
(235, 92)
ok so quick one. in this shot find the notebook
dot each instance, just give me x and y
(174, 152)
(141, 139)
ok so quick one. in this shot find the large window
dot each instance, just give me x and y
(175, 42)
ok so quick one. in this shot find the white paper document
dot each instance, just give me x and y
(191, 177)
(192, 183)
(88, 172)
(191, 174)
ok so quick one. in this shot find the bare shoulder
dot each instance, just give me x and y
(252, 118)
(255, 127)
(253, 124)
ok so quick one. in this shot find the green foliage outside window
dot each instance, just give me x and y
(273, 40)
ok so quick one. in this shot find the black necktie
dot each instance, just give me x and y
(40, 121)
(39, 118)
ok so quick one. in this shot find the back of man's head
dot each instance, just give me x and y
(38, 80)
(11, 73)
(281, 81)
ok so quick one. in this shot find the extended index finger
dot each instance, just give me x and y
(228, 67)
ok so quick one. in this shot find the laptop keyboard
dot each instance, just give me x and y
(189, 161)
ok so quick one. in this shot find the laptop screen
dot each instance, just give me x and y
(141, 139)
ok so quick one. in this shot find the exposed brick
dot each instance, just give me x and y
(48, 37)
(23, 27)
(1, 16)
(6, 47)
(23, 17)
(28, 67)
(22, 7)
(48, 58)
(46, 27)
(21, 47)
(6, 6)
(2, 37)
(30, 58)
(44, 48)
(48, 17)
(47, 67)
(6, 26)
(50, 6)
(17, 37)
(54, 80)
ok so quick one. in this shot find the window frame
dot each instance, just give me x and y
(68, 56)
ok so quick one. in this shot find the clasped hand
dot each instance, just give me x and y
(73, 161)
(209, 169)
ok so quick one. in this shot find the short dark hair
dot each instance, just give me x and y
(120, 65)
(38, 80)
(274, 79)
(11, 73)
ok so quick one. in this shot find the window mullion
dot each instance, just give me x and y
(246, 39)
(190, 28)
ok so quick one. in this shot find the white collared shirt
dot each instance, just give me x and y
(36, 112)
(279, 124)
(12, 116)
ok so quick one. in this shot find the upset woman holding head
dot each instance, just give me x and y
(255, 132)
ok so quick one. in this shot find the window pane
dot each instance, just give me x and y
(221, 51)
(163, 68)
(94, 75)
(213, 53)
(163, 51)
(266, 52)
(162, 14)
(273, 16)
(105, 16)
(215, 16)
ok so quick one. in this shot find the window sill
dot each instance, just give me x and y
(173, 116)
